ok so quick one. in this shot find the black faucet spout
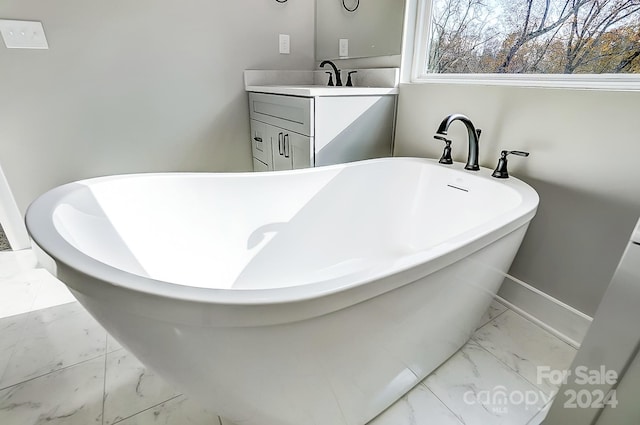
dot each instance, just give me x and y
(474, 136)
(335, 70)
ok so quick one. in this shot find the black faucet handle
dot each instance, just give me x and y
(519, 153)
(349, 83)
(478, 132)
(446, 153)
(501, 169)
(330, 83)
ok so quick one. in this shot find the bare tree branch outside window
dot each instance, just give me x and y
(535, 36)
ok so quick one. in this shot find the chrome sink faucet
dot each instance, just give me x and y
(335, 70)
(474, 136)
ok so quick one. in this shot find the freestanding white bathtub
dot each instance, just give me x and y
(315, 296)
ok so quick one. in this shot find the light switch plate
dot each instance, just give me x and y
(23, 34)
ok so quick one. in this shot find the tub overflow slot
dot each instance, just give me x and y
(458, 187)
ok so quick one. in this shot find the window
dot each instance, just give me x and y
(518, 40)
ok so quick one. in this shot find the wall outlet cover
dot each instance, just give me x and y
(23, 34)
(344, 47)
(284, 44)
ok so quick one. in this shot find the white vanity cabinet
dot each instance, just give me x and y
(281, 132)
(276, 148)
(290, 132)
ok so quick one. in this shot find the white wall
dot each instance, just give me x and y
(584, 163)
(135, 86)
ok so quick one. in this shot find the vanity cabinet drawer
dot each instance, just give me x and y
(261, 142)
(287, 112)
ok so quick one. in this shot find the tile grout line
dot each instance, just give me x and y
(551, 397)
(13, 274)
(458, 418)
(500, 314)
(104, 375)
(119, 349)
(50, 372)
(548, 404)
(492, 319)
(148, 408)
(539, 327)
(23, 328)
(27, 314)
(512, 371)
(424, 384)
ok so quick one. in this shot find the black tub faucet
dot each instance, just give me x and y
(335, 70)
(474, 136)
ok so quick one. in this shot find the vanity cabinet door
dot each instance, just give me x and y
(259, 166)
(301, 149)
(290, 150)
(281, 148)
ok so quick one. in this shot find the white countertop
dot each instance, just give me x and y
(314, 90)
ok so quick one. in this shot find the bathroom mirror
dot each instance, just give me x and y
(374, 28)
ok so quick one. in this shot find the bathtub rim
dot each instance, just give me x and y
(43, 233)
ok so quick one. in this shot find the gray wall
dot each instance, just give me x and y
(584, 163)
(135, 86)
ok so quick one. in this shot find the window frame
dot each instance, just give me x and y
(419, 74)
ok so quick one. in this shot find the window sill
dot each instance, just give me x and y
(577, 82)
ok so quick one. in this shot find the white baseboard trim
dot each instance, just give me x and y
(562, 320)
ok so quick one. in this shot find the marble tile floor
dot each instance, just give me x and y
(58, 366)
